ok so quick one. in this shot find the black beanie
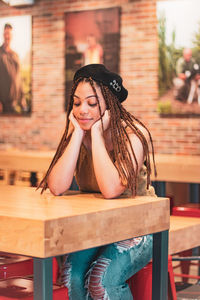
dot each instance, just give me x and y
(99, 73)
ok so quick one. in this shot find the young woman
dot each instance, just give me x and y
(107, 149)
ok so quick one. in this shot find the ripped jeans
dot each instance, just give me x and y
(101, 273)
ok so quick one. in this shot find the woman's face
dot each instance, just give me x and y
(85, 105)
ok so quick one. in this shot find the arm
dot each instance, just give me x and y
(106, 173)
(62, 173)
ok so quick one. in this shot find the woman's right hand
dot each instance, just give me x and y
(75, 124)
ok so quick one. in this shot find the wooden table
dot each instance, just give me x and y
(177, 168)
(43, 226)
(170, 168)
(184, 234)
(35, 161)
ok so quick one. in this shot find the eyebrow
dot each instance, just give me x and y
(90, 96)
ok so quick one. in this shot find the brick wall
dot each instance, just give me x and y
(138, 67)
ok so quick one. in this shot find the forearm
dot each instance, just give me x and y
(62, 173)
(106, 173)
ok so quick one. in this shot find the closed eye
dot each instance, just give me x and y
(76, 104)
(93, 104)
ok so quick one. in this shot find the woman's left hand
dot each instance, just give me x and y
(106, 123)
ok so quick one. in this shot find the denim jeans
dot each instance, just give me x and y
(102, 272)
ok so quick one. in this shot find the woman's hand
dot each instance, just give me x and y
(97, 126)
(75, 124)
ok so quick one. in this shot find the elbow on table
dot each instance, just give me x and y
(111, 194)
(57, 190)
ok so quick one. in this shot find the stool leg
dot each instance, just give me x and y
(171, 285)
(185, 265)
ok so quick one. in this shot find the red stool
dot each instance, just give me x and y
(186, 210)
(15, 266)
(21, 266)
(141, 283)
(55, 270)
(22, 288)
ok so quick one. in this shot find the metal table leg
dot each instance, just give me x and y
(194, 193)
(160, 188)
(160, 266)
(43, 279)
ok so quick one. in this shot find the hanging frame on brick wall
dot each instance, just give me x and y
(91, 36)
(15, 65)
(179, 58)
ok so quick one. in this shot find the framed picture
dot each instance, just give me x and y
(91, 37)
(15, 65)
(179, 58)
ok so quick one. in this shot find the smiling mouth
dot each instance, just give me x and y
(84, 120)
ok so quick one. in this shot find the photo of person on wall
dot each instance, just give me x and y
(15, 67)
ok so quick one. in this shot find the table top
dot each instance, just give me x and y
(170, 167)
(45, 225)
(177, 168)
(35, 161)
(184, 233)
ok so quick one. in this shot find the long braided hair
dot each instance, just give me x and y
(120, 119)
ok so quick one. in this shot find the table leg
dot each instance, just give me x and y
(160, 188)
(160, 266)
(194, 193)
(43, 279)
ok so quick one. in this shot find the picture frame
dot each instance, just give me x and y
(15, 65)
(91, 36)
(179, 58)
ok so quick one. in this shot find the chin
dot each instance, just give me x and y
(85, 126)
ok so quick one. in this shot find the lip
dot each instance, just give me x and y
(84, 120)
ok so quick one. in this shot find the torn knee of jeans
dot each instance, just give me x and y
(94, 279)
(66, 273)
(128, 244)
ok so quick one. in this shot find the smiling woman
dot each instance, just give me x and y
(106, 148)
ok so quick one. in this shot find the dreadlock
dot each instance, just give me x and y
(120, 119)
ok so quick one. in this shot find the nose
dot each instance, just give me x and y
(83, 109)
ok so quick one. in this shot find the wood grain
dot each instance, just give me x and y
(43, 225)
(177, 168)
(171, 168)
(35, 161)
(184, 233)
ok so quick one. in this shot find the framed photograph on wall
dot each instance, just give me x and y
(15, 65)
(91, 37)
(179, 58)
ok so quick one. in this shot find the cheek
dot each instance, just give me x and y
(103, 108)
(75, 110)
